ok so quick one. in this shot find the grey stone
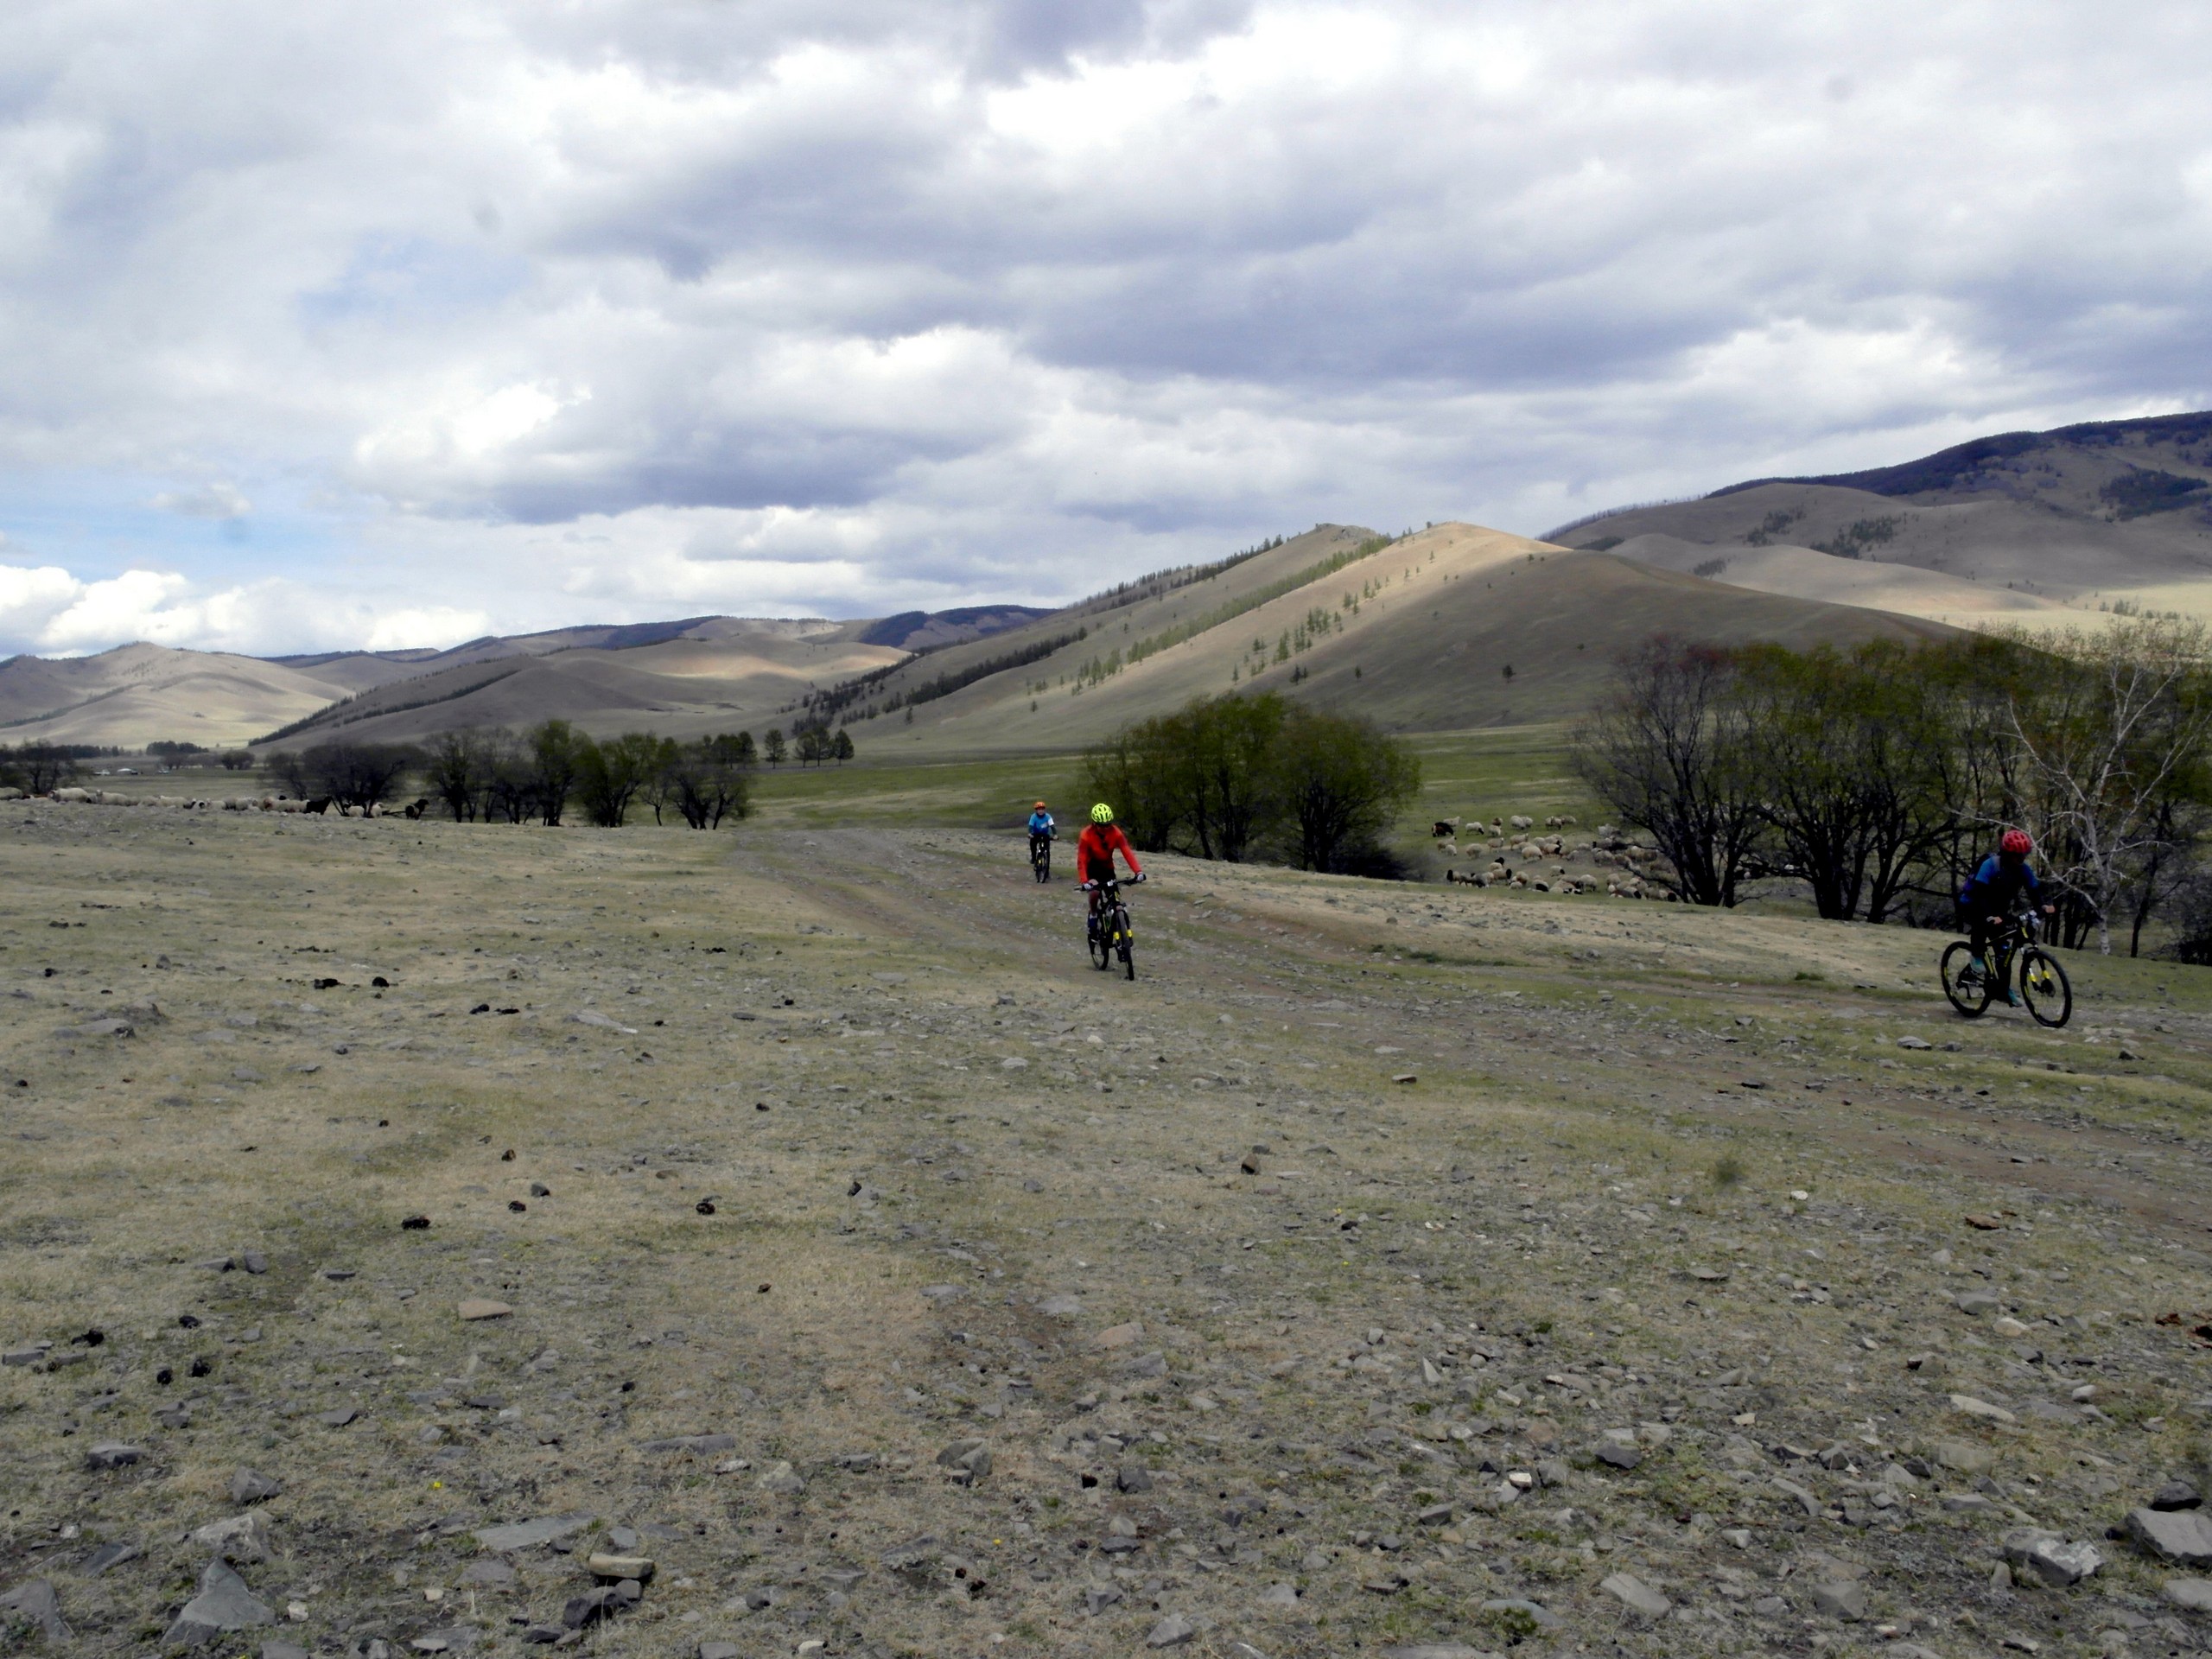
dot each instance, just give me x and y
(35, 1601)
(1976, 1303)
(780, 1477)
(1769, 1606)
(113, 1454)
(1172, 1631)
(695, 1443)
(253, 1261)
(491, 1572)
(622, 1540)
(1965, 1457)
(529, 1535)
(2195, 1594)
(1133, 1478)
(454, 1638)
(276, 1649)
(1846, 1601)
(969, 1461)
(223, 1604)
(1546, 1620)
(338, 1418)
(1098, 1598)
(1968, 1503)
(2175, 1495)
(110, 1556)
(719, 1651)
(1635, 1595)
(250, 1486)
(2181, 1536)
(236, 1538)
(1438, 1650)
(1062, 1308)
(1317, 1560)
(1620, 1457)
(1279, 1595)
(29, 1355)
(2051, 1558)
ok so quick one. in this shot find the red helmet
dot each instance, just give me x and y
(2016, 842)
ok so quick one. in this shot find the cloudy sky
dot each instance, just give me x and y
(393, 323)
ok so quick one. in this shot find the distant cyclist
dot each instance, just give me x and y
(1987, 900)
(1094, 855)
(1042, 833)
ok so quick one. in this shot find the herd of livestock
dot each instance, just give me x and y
(320, 806)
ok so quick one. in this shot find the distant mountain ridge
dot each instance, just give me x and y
(2030, 528)
(141, 693)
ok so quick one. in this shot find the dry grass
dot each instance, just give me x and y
(1545, 1189)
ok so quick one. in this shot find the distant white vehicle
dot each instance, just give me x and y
(125, 771)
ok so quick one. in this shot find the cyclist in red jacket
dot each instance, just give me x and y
(1093, 856)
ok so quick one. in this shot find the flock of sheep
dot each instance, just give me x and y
(229, 803)
(1515, 838)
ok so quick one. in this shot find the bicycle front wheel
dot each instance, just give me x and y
(1124, 945)
(1101, 944)
(1969, 994)
(2044, 988)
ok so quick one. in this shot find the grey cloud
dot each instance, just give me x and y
(859, 299)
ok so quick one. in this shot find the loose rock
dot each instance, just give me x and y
(1635, 1594)
(36, 1601)
(223, 1604)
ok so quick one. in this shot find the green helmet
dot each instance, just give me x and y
(1102, 813)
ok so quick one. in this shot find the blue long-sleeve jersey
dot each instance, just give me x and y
(1041, 824)
(1997, 884)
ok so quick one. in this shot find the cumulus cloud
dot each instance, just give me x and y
(557, 313)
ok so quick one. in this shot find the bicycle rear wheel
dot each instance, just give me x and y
(1968, 995)
(2044, 988)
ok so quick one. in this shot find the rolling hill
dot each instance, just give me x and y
(1417, 632)
(138, 694)
(2074, 520)
(702, 670)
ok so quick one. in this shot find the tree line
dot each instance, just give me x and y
(499, 775)
(1251, 777)
(1881, 776)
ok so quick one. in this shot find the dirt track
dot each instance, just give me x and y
(1255, 1338)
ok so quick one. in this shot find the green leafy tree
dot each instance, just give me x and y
(771, 745)
(842, 750)
(611, 775)
(555, 749)
(1340, 783)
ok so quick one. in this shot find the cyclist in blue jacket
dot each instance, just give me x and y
(1041, 828)
(1987, 900)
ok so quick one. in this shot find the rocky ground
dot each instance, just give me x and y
(457, 1238)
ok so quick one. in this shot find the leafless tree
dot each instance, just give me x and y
(1668, 750)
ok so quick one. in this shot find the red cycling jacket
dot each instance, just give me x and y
(1097, 845)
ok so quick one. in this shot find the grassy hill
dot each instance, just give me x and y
(2081, 518)
(1417, 633)
(139, 694)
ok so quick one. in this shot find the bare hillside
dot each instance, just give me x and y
(2084, 516)
(1419, 633)
(141, 694)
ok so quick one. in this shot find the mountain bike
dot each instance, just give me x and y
(1113, 937)
(2044, 989)
(1040, 857)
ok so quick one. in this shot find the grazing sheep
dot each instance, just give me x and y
(416, 808)
(1523, 820)
(320, 806)
(1441, 830)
